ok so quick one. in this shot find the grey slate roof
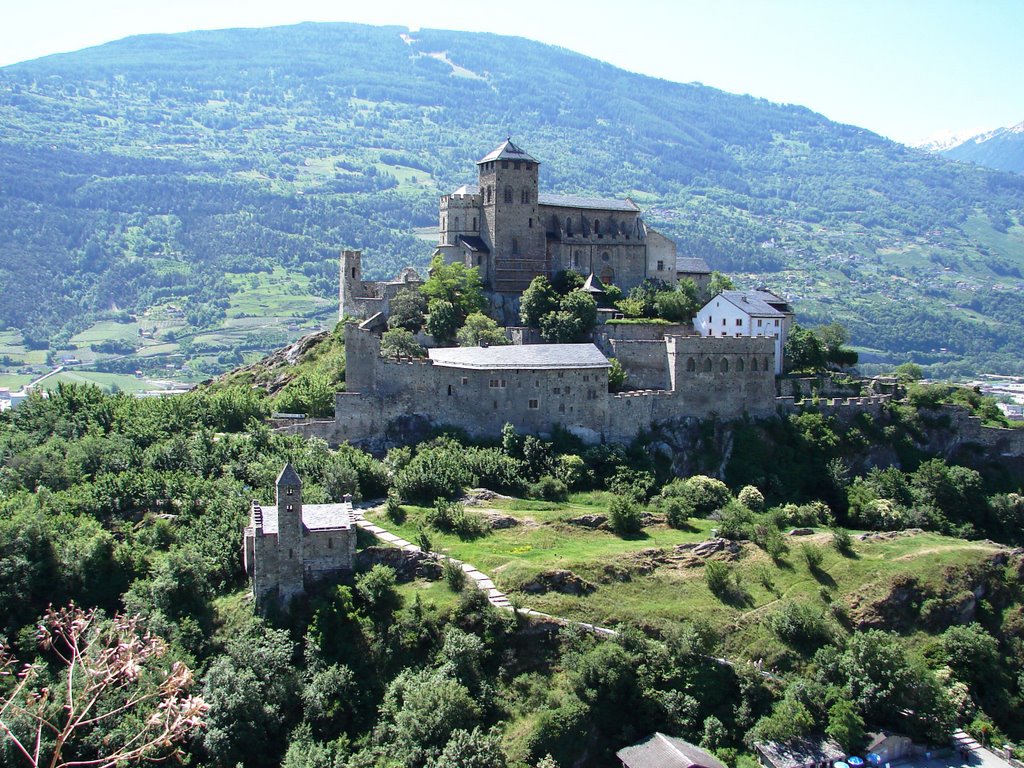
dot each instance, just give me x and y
(661, 751)
(800, 752)
(567, 201)
(757, 303)
(593, 203)
(474, 243)
(288, 476)
(692, 265)
(316, 517)
(507, 151)
(525, 356)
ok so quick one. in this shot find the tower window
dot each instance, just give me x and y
(661, 266)
(330, 543)
(597, 226)
(508, 194)
(456, 222)
(530, 222)
(534, 405)
(568, 226)
(488, 193)
(515, 165)
(353, 277)
(291, 554)
(289, 491)
(515, 245)
(474, 223)
(504, 163)
(524, 196)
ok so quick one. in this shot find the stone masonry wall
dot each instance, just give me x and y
(724, 376)
(645, 362)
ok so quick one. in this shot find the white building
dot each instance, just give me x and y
(747, 313)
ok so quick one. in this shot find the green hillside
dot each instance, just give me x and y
(211, 178)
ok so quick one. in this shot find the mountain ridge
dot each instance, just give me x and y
(146, 177)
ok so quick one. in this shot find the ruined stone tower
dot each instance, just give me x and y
(350, 286)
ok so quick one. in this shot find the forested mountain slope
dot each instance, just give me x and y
(178, 168)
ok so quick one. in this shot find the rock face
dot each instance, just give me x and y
(564, 582)
(589, 521)
(407, 565)
(681, 556)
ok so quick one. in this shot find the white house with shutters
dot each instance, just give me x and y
(747, 313)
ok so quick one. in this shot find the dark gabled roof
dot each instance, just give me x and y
(474, 243)
(566, 201)
(757, 303)
(692, 265)
(289, 476)
(661, 751)
(526, 356)
(316, 517)
(593, 203)
(592, 284)
(507, 151)
(797, 753)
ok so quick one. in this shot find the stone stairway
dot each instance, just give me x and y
(480, 580)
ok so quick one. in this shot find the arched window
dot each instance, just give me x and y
(508, 194)
(739, 364)
(597, 226)
(605, 257)
(607, 275)
(753, 363)
(723, 365)
(515, 245)
(707, 365)
(691, 364)
(568, 226)
(766, 366)
(456, 227)
(444, 223)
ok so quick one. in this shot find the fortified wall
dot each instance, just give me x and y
(540, 387)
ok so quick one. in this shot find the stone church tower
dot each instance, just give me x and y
(289, 533)
(511, 225)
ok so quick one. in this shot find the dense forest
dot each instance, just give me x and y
(158, 169)
(135, 507)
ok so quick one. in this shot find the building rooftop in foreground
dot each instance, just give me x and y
(661, 751)
(525, 356)
(797, 753)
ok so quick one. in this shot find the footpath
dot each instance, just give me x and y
(480, 580)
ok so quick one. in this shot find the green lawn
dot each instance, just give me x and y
(106, 330)
(635, 583)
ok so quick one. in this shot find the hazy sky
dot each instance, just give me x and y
(908, 69)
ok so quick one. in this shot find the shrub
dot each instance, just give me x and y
(439, 472)
(635, 483)
(573, 471)
(423, 541)
(842, 540)
(751, 498)
(799, 625)
(393, 509)
(549, 488)
(718, 577)
(452, 517)
(705, 494)
(734, 522)
(812, 556)
(624, 515)
(454, 576)
(677, 511)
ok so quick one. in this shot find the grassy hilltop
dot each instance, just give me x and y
(199, 186)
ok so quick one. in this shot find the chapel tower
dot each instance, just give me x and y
(289, 534)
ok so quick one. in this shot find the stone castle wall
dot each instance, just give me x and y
(723, 376)
(645, 362)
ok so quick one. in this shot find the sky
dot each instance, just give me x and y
(907, 69)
